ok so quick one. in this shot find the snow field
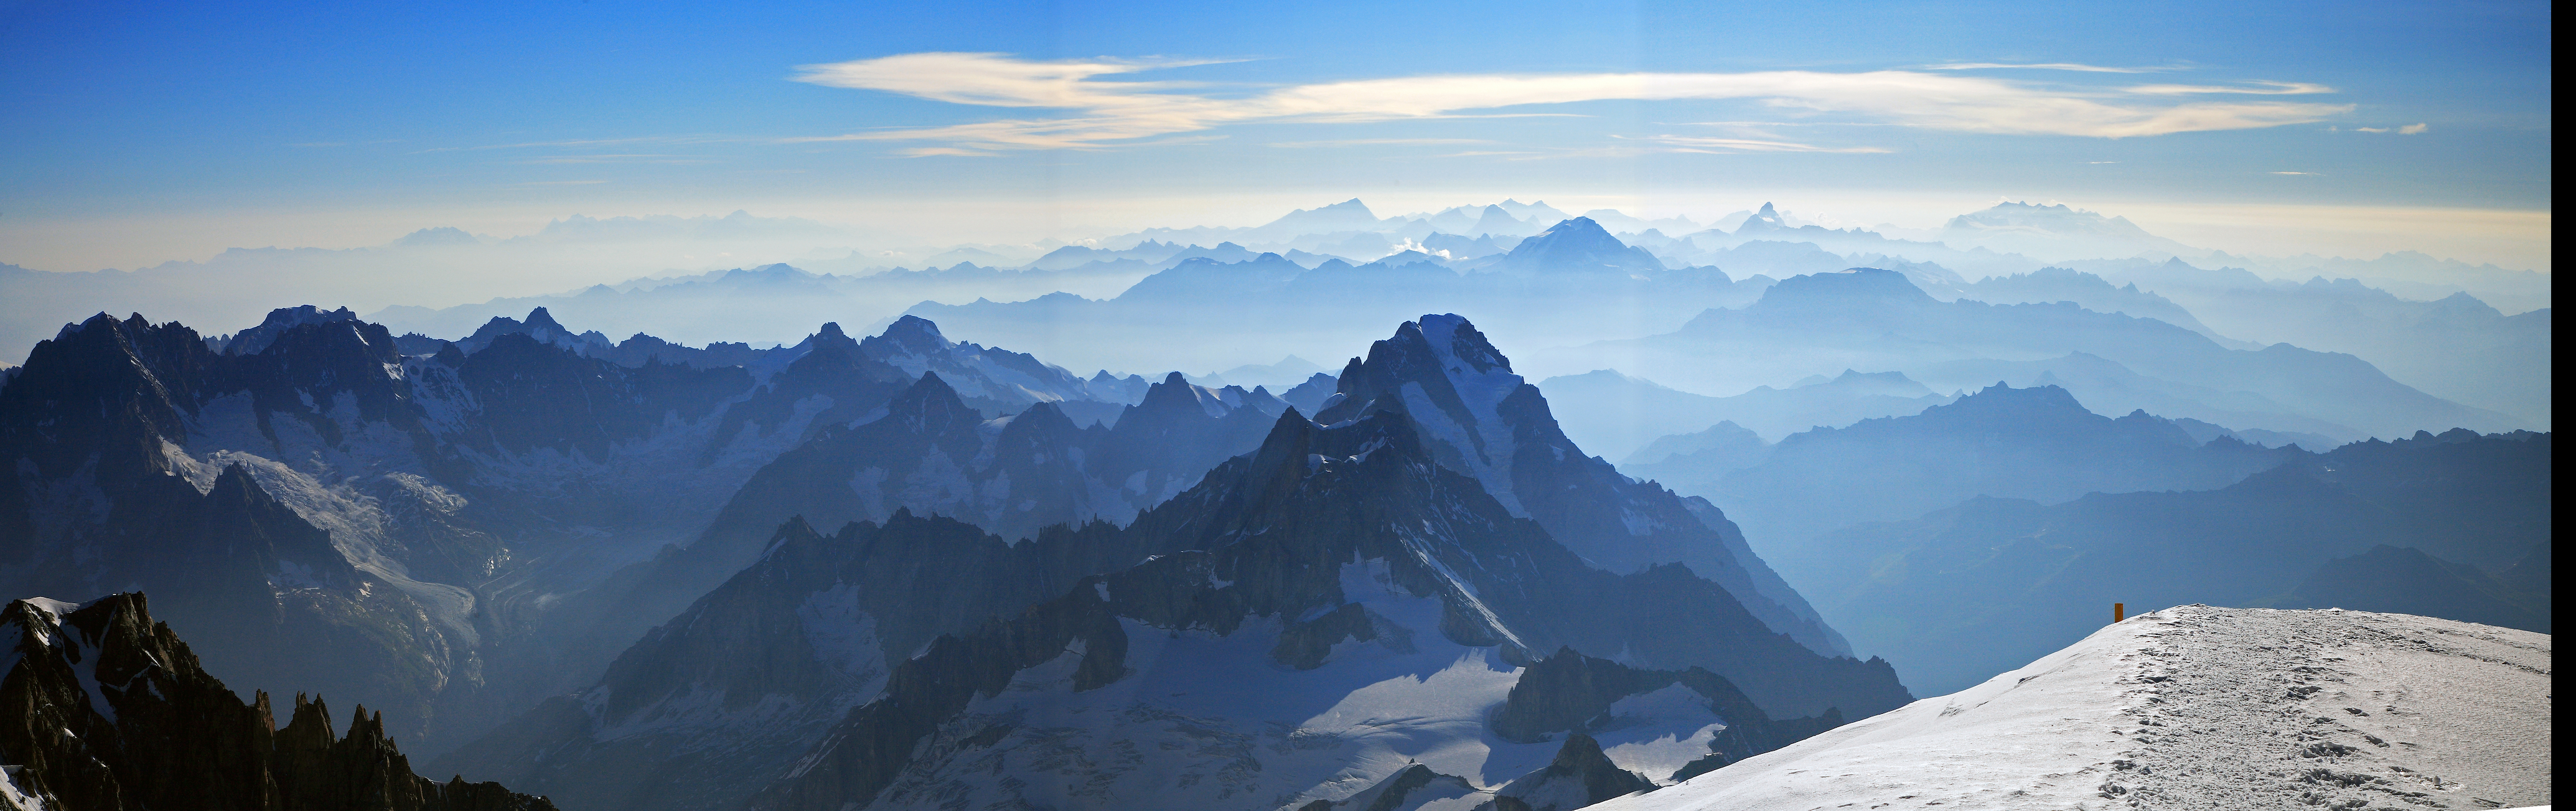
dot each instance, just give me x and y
(2193, 707)
(1214, 722)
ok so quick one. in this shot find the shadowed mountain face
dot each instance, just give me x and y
(1961, 593)
(1336, 566)
(329, 513)
(927, 452)
(722, 699)
(109, 710)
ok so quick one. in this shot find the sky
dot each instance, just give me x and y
(137, 133)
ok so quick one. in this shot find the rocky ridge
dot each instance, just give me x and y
(109, 711)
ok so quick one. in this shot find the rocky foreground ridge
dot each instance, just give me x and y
(104, 709)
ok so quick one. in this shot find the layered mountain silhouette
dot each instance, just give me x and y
(1333, 558)
(1572, 279)
(1621, 414)
(2034, 443)
(1870, 318)
(320, 510)
(2404, 580)
(108, 710)
(925, 451)
(1954, 595)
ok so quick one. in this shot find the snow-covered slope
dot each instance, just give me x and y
(2193, 707)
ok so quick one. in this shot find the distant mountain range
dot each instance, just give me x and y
(1772, 478)
(1573, 281)
(1877, 319)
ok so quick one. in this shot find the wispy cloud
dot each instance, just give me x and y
(2413, 129)
(1102, 114)
(1379, 142)
(2310, 174)
(2258, 88)
(1692, 143)
(2043, 66)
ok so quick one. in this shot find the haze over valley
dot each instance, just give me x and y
(1314, 408)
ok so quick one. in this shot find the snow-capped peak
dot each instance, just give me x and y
(1453, 383)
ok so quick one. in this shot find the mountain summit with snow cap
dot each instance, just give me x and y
(1476, 417)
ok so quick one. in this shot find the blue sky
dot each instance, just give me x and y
(340, 123)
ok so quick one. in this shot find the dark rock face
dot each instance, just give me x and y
(1580, 763)
(109, 711)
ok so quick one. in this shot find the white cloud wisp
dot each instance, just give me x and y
(1113, 113)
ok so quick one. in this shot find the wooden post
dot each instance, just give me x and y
(2119, 611)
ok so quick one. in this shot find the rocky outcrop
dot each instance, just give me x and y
(109, 711)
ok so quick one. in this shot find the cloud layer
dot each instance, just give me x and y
(1100, 110)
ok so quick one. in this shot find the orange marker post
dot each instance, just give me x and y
(2119, 611)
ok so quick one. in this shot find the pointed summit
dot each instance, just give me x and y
(1767, 219)
(929, 404)
(1176, 395)
(540, 319)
